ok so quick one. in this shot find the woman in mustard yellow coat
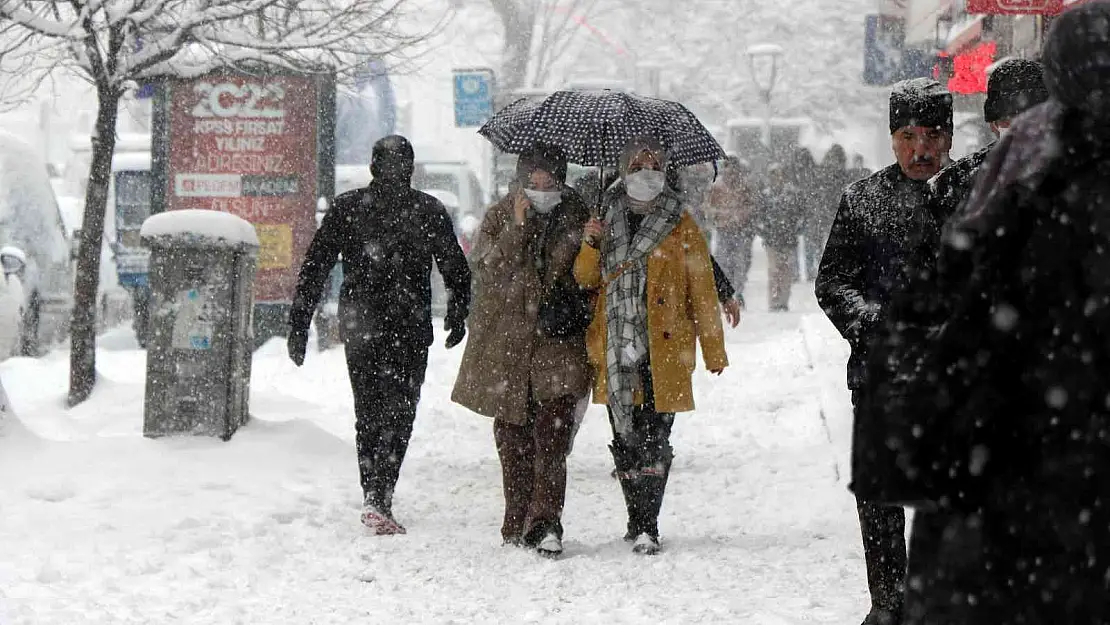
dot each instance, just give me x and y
(650, 264)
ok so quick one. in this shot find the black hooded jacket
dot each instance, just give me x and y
(387, 236)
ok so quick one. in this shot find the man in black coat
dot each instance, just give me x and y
(387, 235)
(873, 247)
(919, 310)
(923, 305)
(1004, 424)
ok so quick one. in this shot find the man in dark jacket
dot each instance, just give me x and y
(925, 303)
(1015, 86)
(387, 235)
(872, 250)
(1010, 397)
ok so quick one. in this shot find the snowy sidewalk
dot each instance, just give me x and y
(98, 525)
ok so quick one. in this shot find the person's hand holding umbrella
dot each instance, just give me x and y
(592, 232)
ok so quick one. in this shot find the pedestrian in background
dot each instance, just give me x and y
(830, 181)
(785, 205)
(731, 208)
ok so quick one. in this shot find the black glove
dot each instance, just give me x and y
(297, 343)
(457, 330)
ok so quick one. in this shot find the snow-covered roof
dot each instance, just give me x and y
(208, 227)
(131, 161)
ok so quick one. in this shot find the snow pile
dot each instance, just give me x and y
(201, 226)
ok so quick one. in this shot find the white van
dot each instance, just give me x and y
(34, 248)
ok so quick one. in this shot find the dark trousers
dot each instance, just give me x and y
(534, 469)
(386, 376)
(884, 548)
(643, 456)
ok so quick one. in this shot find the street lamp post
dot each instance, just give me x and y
(763, 59)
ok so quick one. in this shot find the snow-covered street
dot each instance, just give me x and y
(99, 525)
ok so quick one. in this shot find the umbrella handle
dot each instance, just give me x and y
(597, 210)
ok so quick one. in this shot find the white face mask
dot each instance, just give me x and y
(543, 201)
(645, 185)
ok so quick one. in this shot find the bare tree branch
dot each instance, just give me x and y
(113, 43)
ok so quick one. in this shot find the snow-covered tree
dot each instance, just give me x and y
(114, 44)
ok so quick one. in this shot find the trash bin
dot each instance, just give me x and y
(198, 358)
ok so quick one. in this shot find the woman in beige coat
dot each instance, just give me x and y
(512, 370)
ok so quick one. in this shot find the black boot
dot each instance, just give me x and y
(631, 486)
(653, 485)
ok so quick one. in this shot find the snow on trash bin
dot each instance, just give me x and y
(204, 227)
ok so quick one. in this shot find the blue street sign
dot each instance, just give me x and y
(473, 97)
(145, 90)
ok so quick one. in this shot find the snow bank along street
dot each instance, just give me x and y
(100, 525)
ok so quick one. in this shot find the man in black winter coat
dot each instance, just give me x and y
(1004, 424)
(925, 303)
(387, 235)
(1015, 86)
(871, 253)
(917, 312)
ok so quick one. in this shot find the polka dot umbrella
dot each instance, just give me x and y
(592, 127)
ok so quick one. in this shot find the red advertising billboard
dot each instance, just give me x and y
(1015, 7)
(247, 145)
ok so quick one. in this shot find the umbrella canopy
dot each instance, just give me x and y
(592, 127)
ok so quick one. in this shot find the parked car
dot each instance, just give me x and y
(36, 250)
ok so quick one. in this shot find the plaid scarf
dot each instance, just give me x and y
(625, 262)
